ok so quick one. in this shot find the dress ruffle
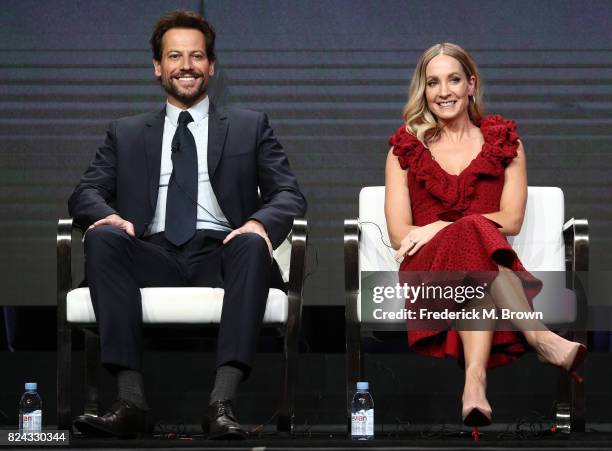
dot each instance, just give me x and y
(455, 191)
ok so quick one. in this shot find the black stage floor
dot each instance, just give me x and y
(585, 441)
(434, 438)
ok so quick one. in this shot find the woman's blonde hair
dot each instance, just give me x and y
(418, 119)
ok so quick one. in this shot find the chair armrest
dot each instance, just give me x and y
(297, 267)
(64, 261)
(576, 238)
(352, 233)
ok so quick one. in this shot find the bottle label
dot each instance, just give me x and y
(362, 423)
(32, 421)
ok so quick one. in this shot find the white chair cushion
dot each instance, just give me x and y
(177, 305)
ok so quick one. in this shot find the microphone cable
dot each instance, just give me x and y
(173, 180)
(382, 237)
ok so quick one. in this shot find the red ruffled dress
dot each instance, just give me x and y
(472, 242)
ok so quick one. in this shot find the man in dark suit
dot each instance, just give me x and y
(171, 199)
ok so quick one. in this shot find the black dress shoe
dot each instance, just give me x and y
(123, 419)
(223, 424)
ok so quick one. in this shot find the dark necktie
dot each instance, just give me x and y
(181, 214)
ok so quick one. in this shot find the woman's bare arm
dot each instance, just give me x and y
(514, 196)
(397, 201)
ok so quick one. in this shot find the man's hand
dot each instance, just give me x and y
(250, 226)
(117, 221)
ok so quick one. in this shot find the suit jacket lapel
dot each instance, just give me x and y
(154, 135)
(217, 130)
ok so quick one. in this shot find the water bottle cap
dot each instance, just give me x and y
(31, 386)
(363, 386)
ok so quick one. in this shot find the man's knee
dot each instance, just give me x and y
(251, 243)
(105, 239)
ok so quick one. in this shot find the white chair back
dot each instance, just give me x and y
(540, 246)
(374, 253)
(282, 255)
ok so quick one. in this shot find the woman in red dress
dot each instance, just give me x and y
(456, 184)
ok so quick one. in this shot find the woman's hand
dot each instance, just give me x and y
(418, 237)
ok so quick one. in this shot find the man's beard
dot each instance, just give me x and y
(186, 97)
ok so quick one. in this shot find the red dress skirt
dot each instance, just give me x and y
(472, 243)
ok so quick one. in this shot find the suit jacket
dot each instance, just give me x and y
(243, 155)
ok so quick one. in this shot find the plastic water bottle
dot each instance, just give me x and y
(30, 410)
(362, 413)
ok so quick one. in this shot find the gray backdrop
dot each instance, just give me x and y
(333, 77)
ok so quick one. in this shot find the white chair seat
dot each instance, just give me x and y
(177, 305)
(186, 305)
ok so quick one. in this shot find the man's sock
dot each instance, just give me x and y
(130, 387)
(226, 383)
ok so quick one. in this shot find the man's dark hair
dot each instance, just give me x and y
(182, 19)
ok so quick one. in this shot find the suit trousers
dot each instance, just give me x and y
(118, 265)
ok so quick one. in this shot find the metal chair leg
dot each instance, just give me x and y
(92, 365)
(290, 361)
(64, 369)
(354, 366)
(285, 417)
(577, 394)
